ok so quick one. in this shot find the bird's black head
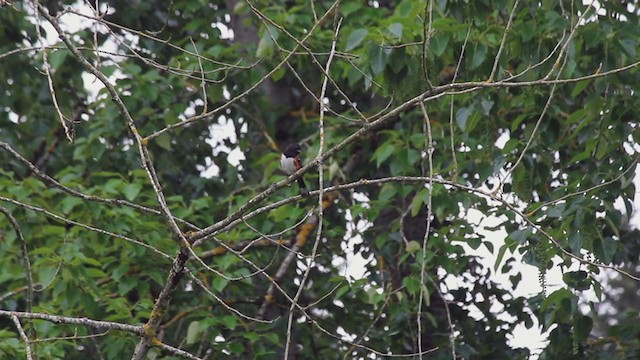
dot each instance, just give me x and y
(292, 150)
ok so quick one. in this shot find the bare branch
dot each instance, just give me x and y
(427, 33)
(137, 330)
(23, 336)
(25, 255)
(452, 331)
(429, 152)
(47, 70)
(504, 40)
(454, 177)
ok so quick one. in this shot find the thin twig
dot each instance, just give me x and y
(203, 84)
(427, 33)
(85, 226)
(314, 59)
(49, 180)
(25, 255)
(580, 192)
(320, 191)
(23, 336)
(454, 177)
(565, 47)
(47, 70)
(504, 40)
(452, 333)
(429, 150)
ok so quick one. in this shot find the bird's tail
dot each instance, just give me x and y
(303, 188)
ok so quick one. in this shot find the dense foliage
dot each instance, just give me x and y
(529, 117)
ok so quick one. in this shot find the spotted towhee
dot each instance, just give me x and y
(290, 163)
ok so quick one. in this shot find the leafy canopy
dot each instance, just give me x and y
(162, 210)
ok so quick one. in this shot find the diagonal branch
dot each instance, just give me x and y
(25, 255)
(24, 337)
(504, 40)
(84, 226)
(53, 182)
(198, 237)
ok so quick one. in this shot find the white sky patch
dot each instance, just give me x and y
(353, 263)
(222, 130)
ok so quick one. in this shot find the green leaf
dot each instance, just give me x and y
(582, 326)
(350, 7)
(418, 200)
(413, 156)
(378, 58)
(575, 242)
(219, 283)
(236, 348)
(126, 284)
(387, 192)
(518, 121)
(577, 279)
(577, 115)
(383, 153)
(46, 274)
(412, 283)
(580, 85)
(96, 273)
(629, 46)
(479, 55)
(355, 38)
(609, 247)
(266, 46)
(164, 141)
(520, 236)
(489, 246)
(396, 30)
(501, 253)
(341, 291)
(556, 298)
(56, 58)
(474, 243)
(193, 332)
(53, 230)
(413, 247)
(461, 117)
(131, 191)
(229, 321)
(510, 145)
(69, 203)
(418, 140)
(439, 44)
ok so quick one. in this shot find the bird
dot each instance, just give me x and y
(290, 163)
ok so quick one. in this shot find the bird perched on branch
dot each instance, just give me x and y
(290, 163)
